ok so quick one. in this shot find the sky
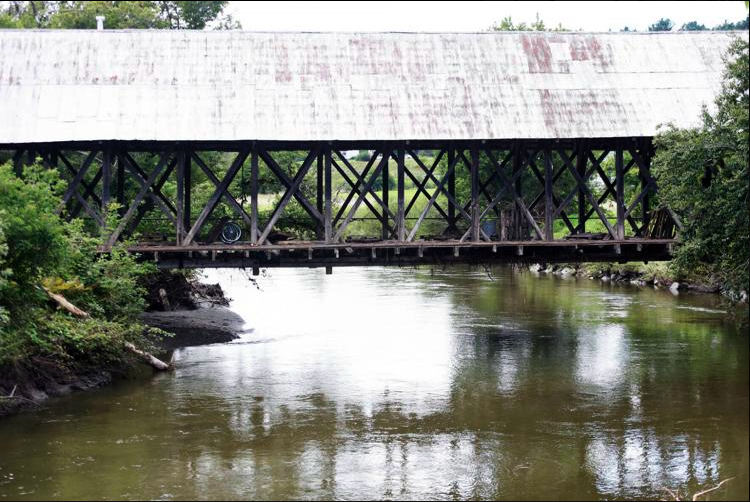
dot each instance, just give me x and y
(467, 16)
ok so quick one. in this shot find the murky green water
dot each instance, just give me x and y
(396, 384)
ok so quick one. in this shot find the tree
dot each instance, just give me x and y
(693, 26)
(739, 25)
(118, 14)
(663, 24)
(507, 24)
(703, 176)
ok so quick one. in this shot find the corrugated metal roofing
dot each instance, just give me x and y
(233, 85)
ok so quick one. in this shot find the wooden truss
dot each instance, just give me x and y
(544, 182)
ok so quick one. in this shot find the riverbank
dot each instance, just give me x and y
(197, 316)
(654, 275)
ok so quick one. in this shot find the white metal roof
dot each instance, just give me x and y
(233, 85)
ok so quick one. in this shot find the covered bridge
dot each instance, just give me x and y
(508, 116)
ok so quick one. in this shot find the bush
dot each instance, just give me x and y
(39, 250)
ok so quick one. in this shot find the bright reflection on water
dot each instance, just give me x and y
(389, 383)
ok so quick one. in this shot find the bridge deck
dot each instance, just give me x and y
(395, 253)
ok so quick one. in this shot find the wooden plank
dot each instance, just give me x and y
(360, 180)
(296, 182)
(516, 197)
(180, 178)
(328, 219)
(226, 194)
(144, 209)
(153, 192)
(254, 196)
(319, 201)
(422, 184)
(218, 194)
(284, 178)
(138, 198)
(354, 185)
(386, 231)
(401, 212)
(581, 161)
(452, 220)
(187, 198)
(106, 179)
(549, 206)
(592, 201)
(620, 194)
(474, 170)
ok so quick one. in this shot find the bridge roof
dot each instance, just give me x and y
(78, 85)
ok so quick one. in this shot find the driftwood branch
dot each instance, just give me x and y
(676, 494)
(148, 358)
(700, 494)
(65, 304)
(152, 361)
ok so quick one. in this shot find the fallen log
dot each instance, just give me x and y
(65, 304)
(152, 361)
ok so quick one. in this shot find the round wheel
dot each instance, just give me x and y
(230, 233)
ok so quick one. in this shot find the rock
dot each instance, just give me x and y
(535, 268)
(674, 288)
(605, 278)
(566, 272)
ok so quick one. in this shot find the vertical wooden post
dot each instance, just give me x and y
(581, 168)
(518, 165)
(620, 194)
(549, 208)
(254, 195)
(319, 203)
(645, 152)
(328, 215)
(401, 208)
(18, 163)
(474, 151)
(106, 179)
(386, 227)
(451, 190)
(186, 211)
(121, 184)
(180, 220)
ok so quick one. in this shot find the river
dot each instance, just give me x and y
(403, 384)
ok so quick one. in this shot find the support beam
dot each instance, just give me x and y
(549, 206)
(401, 214)
(474, 170)
(385, 190)
(620, 194)
(451, 190)
(180, 219)
(581, 158)
(328, 219)
(106, 179)
(254, 196)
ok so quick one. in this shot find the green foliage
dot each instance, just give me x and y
(37, 250)
(119, 14)
(507, 24)
(703, 176)
(739, 25)
(693, 26)
(663, 24)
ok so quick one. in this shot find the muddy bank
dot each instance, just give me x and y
(195, 327)
(194, 312)
(36, 389)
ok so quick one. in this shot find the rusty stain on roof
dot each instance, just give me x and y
(233, 85)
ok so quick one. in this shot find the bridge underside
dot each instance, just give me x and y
(310, 204)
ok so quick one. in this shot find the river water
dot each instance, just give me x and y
(403, 384)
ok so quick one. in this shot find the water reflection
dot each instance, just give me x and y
(401, 384)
